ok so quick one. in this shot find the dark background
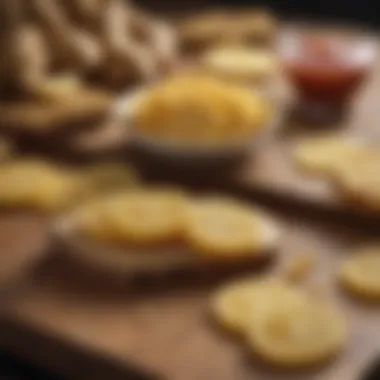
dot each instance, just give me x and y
(361, 12)
(365, 12)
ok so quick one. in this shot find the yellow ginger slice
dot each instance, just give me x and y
(136, 217)
(233, 303)
(295, 332)
(324, 155)
(223, 228)
(360, 273)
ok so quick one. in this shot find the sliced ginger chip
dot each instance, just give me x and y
(324, 155)
(359, 179)
(135, 217)
(295, 332)
(222, 228)
(233, 303)
(299, 267)
(360, 274)
(240, 64)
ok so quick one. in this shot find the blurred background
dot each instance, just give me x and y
(362, 12)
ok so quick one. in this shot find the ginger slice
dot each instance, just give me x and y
(242, 65)
(37, 185)
(359, 179)
(324, 155)
(136, 217)
(223, 228)
(233, 303)
(295, 332)
(360, 274)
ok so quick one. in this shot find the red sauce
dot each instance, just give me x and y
(326, 69)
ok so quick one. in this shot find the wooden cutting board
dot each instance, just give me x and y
(86, 326)
(23, 243)
(271, 169)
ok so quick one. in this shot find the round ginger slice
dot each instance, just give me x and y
(138, 217)
(36, 184)
(295, 332)
(242, 65)
(233, 303)
(222, 228)
(360, 274)
(359, 179)
(324, 155)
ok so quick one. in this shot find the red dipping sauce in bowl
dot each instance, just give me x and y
(326, 67)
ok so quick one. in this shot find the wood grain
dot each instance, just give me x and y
(162, 327)
(23, 243)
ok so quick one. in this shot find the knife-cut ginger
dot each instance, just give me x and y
(222, 228)
(37, 185)
(295, 332)
(233, 303)
(360, 273)
(359, 180)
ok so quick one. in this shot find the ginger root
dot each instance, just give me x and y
(107, 40)
(25, 59)
(62, 37)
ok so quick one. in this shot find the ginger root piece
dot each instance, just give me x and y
(156, 35)
(324, 155)
(57, 106)
(85, 14)
(25, 60)
(126, 60)
(358, 179)
(62, 37)
(295, 332)
(11, 73)
(360, 273)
